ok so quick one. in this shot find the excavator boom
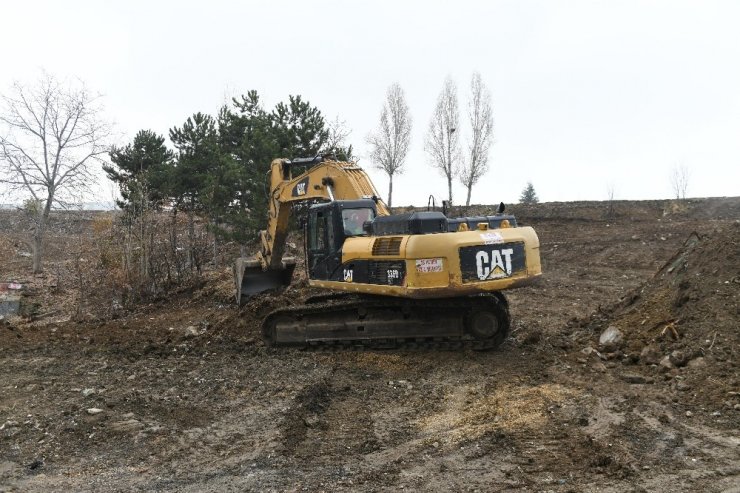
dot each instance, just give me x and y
(325, 180)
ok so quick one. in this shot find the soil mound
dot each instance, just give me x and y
(684, 321)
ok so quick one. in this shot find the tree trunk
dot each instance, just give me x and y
(470, 189)
(173, 244)
(390, 190)
(38, 235)
(143, 258)
(215, 244)
(37, 242)
(191, 239)
(449, 188)
(151, 277)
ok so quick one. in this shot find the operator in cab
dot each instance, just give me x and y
(353, 220)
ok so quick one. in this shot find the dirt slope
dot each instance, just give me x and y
(687, 315)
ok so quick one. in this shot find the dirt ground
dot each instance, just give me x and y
(182, 395)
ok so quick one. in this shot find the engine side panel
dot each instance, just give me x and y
(439, 265)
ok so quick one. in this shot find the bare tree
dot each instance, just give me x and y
(680, 180)
(52, 134)
(480, 114)
(610, 192)
(442, 143)
(389, 144)
(336, 140)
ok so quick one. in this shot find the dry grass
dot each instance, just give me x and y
(470, 413)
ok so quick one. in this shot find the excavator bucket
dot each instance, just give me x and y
(251, 279)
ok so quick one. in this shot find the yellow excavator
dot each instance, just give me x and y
(413, 279)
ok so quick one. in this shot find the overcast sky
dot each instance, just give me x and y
(586, 94)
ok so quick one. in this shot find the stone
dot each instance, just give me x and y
(127, 425)
(633, 378)
(88, 392)
(599, 366)
(689, 414)
(699, 362)
(588, 350)
(7, 468)
(191, 331)
(611, 339)
(9, 424)
(650, 355)
(311, 421)
(94, 410)
(666, 363)
(614, 355)
(679, 358)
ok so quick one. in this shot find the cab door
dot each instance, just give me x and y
(324, 248)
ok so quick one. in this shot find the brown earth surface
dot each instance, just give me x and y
(182, 395)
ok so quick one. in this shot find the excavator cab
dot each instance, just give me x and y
(329, 224)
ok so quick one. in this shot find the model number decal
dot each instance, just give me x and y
(393, 274)
(348, 275)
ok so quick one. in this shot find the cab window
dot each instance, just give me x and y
(353, 219)
(318, 232)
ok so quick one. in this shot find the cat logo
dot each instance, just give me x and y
(301, 188)
(347, 275)
(493, 266)
(486, 263)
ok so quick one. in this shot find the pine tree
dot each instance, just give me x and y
(140, 170)
(198, 165)
(250, 138)
(248, 143)
(529, 196)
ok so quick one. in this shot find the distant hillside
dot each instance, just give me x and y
(700, 208)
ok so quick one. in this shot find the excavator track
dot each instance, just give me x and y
(351, 321)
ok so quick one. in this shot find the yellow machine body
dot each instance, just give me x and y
(433, 266)
(392, 280)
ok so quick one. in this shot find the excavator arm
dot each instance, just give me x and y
(327, 180)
